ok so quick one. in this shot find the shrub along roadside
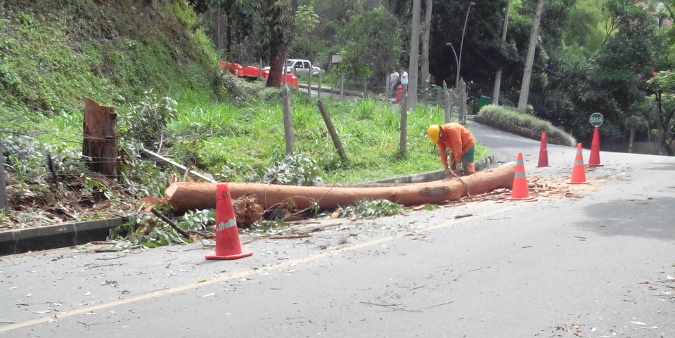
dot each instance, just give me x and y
(508, 119)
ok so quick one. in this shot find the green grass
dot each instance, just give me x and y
(238, 141)
(48, 64)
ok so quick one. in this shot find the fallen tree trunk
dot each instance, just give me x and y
(184, 196)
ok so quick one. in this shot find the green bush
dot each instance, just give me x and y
(525, 125)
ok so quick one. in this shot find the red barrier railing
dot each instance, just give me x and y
(253, 72)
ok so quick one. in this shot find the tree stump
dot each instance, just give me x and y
(99, 146)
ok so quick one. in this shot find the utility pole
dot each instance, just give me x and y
(413, 69)
(461, 44)
(527, 74)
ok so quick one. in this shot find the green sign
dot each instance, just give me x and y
(596, 119)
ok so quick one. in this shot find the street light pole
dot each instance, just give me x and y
(456, 64)
(461, 45)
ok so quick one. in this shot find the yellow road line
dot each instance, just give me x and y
(243, 273)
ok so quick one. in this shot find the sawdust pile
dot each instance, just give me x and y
(541, 188)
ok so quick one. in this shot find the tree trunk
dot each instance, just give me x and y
(631, 139)
(497, 87)
(218, 34)
(527, 74)
(280, 36)
(277, 57)
(498, 75)
(184, 196)
(229, 38)
(413, 69)
(99, 146)
(662, 124)
(424, 62)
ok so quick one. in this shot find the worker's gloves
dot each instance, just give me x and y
(448, 173)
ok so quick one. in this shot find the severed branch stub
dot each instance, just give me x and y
(169, 222)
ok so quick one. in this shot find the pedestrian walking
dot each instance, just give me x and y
(393, 79)
(404, 79)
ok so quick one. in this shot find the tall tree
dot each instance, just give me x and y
(498, 74)
(424, 61)
(373, 44)
(274, 19)
(279, 18)
(662, 86)
(527, 74)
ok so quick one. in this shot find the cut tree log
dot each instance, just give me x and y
(184, 196)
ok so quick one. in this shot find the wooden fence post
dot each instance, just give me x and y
(462, 102)
(342, 85)
(309, 82)
(288, 118)
(404, 125)
(365, 87)
(331, 130)
(3, 192)
(318, 94)
(99, 146)
(448, 106)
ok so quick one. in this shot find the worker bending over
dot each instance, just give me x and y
(461, 143)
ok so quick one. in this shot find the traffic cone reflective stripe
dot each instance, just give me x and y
(543, 153)
(594, 158)
(227, 233)
(519, 189)
(579, 170)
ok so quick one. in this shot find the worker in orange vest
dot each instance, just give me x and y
(461, 143)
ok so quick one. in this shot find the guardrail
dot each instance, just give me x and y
(251, 72)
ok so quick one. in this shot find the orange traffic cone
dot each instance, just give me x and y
(519, 190)
(594, 159)
(579, 170)
(543, 153)
(227, 233)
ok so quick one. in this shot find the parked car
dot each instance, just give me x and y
(301, 67)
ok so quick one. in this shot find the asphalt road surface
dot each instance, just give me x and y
(597, 266)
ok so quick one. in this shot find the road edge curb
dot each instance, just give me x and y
(56, 236)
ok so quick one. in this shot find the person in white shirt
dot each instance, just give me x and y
(393, 79)
(404, 79)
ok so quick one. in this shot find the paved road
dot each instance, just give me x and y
(547, 268)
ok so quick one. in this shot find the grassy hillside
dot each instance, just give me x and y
(53, 53)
